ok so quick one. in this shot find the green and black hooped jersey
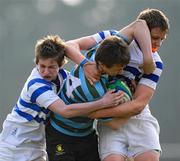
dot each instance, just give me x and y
(77, 89)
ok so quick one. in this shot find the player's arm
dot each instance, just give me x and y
(115, 123)
(82, 109)
(141, 98)
(74, 47)
(139, 30)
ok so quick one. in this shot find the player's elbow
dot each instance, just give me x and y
(140, 22)
(65, 112)
(139, 107)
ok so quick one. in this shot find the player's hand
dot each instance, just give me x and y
(149, 68)
(91, 72)
(112, 98)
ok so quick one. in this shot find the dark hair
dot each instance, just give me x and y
(113, 50)
(50, 47)
(155, 18)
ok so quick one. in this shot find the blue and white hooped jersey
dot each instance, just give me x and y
(132, 70)
(25, 124)
(104, 34)
(36, 95)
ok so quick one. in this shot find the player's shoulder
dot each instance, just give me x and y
(35, 80)
(157, 57)
(63, 73)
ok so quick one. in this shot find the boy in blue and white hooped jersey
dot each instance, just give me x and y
(23, 134)
(74, 138)
(137, 131)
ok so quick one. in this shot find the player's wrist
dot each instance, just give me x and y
(83, 62)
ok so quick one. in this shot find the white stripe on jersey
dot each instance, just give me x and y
(35, 97)
(103, 34)
(137, 59)
(27, 117)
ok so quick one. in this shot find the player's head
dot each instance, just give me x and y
(112, 55)
(49, 56)
(158, 25)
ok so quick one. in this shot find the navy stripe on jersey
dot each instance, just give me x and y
(38, 80)
(102, 34)
(23, 114)
(132, 70)
(38, 119)
(154, 77)
(38, 92)
(34, 107)
(30, 117)
(44, 110)
(159, 65)
(63, 73)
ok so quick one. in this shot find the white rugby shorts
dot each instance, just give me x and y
(140, 134)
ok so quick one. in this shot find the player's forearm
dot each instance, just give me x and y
(113, 112)
(142, 35)
(74, 47)
(73, 52)
(82, 109)
(141, 98)
(127, 109)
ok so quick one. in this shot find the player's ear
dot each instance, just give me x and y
(100, 66)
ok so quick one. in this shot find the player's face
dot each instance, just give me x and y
(157, 38)
(48, 68)
(113, 71)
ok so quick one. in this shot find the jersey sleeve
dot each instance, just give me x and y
(42, 93)
(98, 37)
(151, 80)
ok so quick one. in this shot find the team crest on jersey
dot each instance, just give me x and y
(59, 150)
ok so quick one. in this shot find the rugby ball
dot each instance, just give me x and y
(119, 85)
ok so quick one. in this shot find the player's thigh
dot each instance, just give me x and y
(114, 157)
(143, 136)
(148, 156)
(111, 142)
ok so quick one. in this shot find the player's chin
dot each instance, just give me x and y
(48, 78)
